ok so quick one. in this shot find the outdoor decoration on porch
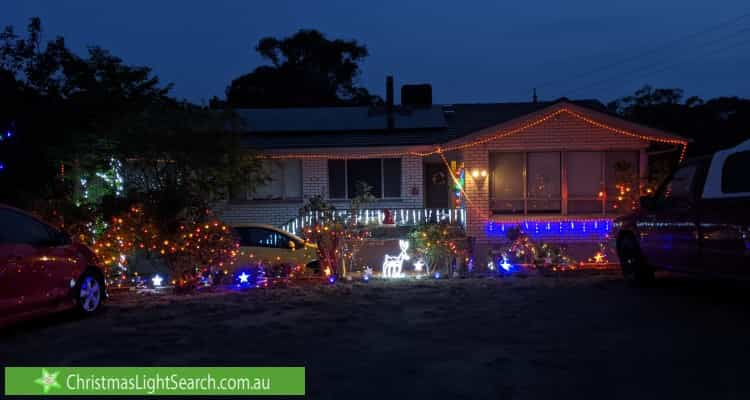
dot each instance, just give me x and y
(393, 265)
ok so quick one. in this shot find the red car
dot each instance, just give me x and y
(43, 271)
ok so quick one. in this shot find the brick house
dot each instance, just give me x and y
(551, 167)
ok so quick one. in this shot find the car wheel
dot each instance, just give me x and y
(634, 267)
(90, 294)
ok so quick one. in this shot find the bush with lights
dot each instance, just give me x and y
(439, 245)
(125, 235)
(200, 253)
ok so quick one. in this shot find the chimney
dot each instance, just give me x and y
(416, 95)
(536, 99)
(389, 102)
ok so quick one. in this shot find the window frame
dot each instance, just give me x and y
(564, 177)
(250, 196)
(382, 179)
(726, 186)
(50, 232)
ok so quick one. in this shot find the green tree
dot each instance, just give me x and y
(307, 69)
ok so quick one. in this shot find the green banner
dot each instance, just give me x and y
(157, 381)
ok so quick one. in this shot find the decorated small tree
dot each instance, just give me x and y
(627, 190)
(200, 251)
(438, 244)
(125, 234)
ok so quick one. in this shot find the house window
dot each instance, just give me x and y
(734, 174)
(533, 182)
(284, 182)
(621, 179)
(543, 188)
(584, 182)
(506, 183)
(382, 175)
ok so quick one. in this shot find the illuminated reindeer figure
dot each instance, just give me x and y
(392, 264)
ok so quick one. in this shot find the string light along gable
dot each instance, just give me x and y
(480, 141)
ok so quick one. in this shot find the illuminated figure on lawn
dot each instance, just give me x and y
(392, 265)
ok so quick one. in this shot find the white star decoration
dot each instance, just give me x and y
(243, 277)
(156, 280)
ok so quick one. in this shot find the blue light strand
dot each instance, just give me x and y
(580, 229)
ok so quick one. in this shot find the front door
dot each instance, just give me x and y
(437, 186)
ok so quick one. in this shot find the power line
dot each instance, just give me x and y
(646, 52)
(662, 69)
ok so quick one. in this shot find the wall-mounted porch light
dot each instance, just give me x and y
(478, 174)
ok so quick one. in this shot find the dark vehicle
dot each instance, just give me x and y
(698, 221)
(42, 271)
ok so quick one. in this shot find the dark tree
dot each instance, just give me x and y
(713, 125)
(77, 117)
(307, 70)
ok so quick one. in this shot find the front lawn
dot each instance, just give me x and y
(576, 335)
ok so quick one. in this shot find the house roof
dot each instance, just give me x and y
(296, 128)
(338, 119)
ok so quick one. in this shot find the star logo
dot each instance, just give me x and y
(48, 381)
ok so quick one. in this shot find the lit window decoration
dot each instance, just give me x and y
(393, 265)
(157, 280)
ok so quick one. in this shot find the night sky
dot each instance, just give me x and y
(470, 51)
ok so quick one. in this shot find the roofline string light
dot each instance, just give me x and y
(484, 140)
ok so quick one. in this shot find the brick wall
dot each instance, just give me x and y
(314, 183)
(563, 132)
